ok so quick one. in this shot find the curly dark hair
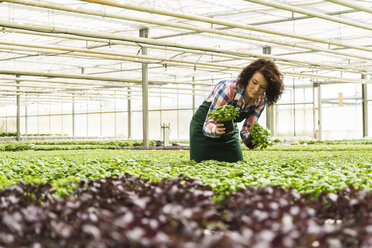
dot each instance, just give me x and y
(271, 73)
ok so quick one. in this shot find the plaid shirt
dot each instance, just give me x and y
(229, 92)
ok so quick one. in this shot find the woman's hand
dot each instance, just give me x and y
(220, 129)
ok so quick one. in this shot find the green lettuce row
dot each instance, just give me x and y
(322, 147)
(307, 172)
(67, 145)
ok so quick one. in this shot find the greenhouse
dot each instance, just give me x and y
(98, 102)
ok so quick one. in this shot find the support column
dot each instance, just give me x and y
(144, 32)
(73, 115)
(50, 117)
(294, 106)
(193, 95)
(270, 119)
(178, 111)
(62, 117)
(100, 119)
(129, 114)
(87, 119)
(38, 116)
(115, 117)
(365, 107)
(18, 111)
(26, 117)
(269, 110)
(314, 112)
(319, 113)
(161, 115)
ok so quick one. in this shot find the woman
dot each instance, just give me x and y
(258, 84)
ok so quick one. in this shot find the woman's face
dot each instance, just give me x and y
(256, 86)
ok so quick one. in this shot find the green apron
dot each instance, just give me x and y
(226, 148)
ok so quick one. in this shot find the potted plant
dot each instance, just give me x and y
(225, 114)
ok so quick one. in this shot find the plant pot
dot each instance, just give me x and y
(229, 125)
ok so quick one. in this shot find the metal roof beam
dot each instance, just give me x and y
(223, 23)
(149, 59)
(311, 13)
(134, 80)
(196, 28)
(352, 4)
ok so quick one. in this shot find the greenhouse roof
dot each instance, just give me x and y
(92, 48)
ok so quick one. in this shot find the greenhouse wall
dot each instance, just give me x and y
(293, 115)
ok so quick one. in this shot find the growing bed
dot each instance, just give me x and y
(285, 196)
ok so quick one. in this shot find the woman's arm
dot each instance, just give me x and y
(222, 94)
